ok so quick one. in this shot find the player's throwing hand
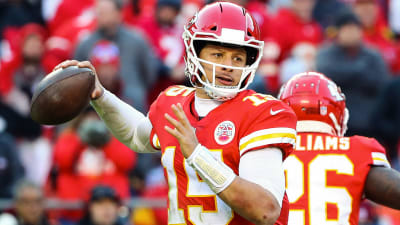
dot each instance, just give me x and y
(98, 90)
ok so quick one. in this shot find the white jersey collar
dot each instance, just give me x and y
(203, 105)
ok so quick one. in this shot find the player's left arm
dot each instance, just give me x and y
(383, 186)
(245, 194)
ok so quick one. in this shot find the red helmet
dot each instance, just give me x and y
(224, 23)
(317, 102)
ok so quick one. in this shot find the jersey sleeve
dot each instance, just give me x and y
(154, 141)
(376, 151)
(273, 125)
(165, 99)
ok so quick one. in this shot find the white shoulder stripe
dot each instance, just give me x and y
(379, 159)
(280, 130)
(267, 137)
(282, 140)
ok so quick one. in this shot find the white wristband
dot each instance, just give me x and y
(215, 173)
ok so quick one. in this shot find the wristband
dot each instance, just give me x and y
(215, 173)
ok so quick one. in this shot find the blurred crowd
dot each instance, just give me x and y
(137, 50)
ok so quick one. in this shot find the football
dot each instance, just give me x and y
(62, 95)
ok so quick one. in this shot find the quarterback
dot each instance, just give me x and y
(222, 145)
(328, 174)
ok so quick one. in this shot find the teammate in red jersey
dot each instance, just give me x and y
(328, 174)
(222, 145)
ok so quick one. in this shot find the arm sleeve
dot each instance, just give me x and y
(264, 167)
(127, 124)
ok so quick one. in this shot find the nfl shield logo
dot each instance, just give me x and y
(224, 132)
(323, 110)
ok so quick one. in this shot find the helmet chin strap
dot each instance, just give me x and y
(217, 96)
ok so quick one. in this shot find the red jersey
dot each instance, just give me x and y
(326, 175)
(248, 122)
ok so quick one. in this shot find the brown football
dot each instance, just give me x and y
(62, 95)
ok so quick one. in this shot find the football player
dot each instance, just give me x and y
(222, 145)
(328, 174)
